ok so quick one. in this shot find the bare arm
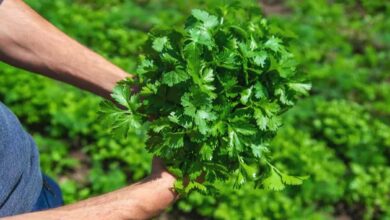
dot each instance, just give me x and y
(28, 41)
(142, 200)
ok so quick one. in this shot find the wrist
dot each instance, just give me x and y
(163, 184)
(151, 196)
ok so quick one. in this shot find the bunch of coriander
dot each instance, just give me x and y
(210, 98)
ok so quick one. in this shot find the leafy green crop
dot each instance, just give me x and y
(348, 177)
(210, 96)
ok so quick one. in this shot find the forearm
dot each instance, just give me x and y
(28, 41)
(140, 201)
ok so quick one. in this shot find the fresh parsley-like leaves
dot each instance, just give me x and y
(215, 90)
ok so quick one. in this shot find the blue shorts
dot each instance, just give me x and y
(50, 197)
(23, 188)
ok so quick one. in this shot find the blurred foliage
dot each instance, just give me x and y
(340, 136)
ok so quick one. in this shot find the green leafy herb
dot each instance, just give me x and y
(215, 90)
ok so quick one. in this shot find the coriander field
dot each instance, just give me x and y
(330, 133)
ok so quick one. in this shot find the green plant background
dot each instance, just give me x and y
(340, 135)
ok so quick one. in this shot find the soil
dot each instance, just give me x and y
(272, 7)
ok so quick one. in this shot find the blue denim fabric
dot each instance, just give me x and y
(50, 197)
(20, 174)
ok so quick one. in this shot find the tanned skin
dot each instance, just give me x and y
(30, 42)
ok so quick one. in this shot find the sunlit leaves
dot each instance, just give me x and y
(259, 150)
(201, 36)
(302, 88)
(208, 76)
(245, 95)
(160, 43)
(260, 58)
(277, 180)
(174, 77)
(261, 119)
(201, 120)
(293, 180)
(274, 43)
(145, 66)
(273, 181)
(121, 95)
(209, 21)
(260, 91)
(211, 98)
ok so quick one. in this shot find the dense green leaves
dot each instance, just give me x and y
(214, 96)
(348, 177)
(174, 77)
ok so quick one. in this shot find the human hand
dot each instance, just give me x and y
(156, 192)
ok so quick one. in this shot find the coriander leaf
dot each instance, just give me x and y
(159, 125)
(234, 140)
(301, 88)
(273, 181)
(208, 76)
(283, 96)
(201, 119)
(121, 94)
(145, 66)
(244, 128)
(260, 58)
(293, 180)
(287, 65)
(189, 108)
(159, 43)
(270, 108)
(173, 118)
(174, 140)
(192, 53)
(259, 150)
(274, 123)
(201, 36)
(260, 91)
(250, 172)
(261, 120)
(206, 152)
(174, 77)
(274, 44)
(208, 20)
(245, 95)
